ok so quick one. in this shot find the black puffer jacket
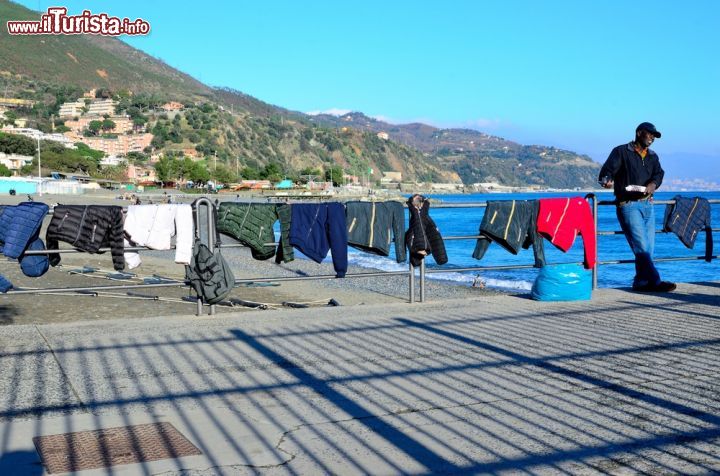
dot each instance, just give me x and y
(423, 237)
(87, 228)
(686, 217)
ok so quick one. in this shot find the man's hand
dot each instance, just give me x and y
(650, 188)
(608, 184)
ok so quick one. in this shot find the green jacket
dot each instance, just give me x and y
(252, 225)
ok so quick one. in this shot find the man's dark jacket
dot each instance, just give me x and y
(512, 224)
(626, 167)
(252, 225)
(372, 225)
(686, 217)
(87, 228)
(423, 236)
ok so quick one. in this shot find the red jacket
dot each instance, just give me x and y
(561, 219)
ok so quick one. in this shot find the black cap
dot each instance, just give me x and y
(649, 127)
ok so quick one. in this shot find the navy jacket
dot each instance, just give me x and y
(19, 229)
(686, 217)
(316, 228)
(626, 167)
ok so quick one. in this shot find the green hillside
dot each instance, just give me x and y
(243, 134)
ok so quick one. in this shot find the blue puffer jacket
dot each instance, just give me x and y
(19, 227)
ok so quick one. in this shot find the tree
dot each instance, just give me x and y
(272, 172)
(223, 175)
(165, 168)
(107, 125)
(334, 174)
(4, 171)
(95, 126)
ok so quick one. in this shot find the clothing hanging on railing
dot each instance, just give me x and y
(209, 274)
(154, 226)
(252, 225)
(372, 226)
(19, 231)
(319, 227)
(560, 220)
(87, 228)
(423, 237)
(686, 217)
(512, 224)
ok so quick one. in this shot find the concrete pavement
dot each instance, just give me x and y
(623, 384)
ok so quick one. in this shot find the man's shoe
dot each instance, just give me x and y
(665, 287)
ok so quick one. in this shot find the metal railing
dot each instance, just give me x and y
(423, 271)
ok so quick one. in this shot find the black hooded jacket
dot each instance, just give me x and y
(423, 237)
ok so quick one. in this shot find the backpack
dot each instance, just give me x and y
(208, 272)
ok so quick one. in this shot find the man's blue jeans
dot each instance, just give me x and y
(637, 220)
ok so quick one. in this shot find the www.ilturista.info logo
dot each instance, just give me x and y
(58, 22)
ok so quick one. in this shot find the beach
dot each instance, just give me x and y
(167, 301)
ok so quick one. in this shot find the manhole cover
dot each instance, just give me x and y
(112, 446)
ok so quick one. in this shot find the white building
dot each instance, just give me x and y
(35, 134)
(112, 161)
(15, 162)
(71, 109)
(100, 108)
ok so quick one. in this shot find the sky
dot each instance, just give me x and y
(579, 75)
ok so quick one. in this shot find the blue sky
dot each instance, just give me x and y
(574, 74)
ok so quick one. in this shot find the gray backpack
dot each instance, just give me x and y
(209, 274)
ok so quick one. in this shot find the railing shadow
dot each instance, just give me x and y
(564, 391)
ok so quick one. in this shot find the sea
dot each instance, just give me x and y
(466, 221)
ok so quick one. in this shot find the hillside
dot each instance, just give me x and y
(242, 132)
(479, 157)
(88, 61)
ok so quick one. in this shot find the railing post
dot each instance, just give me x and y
(210, 239)
(422, 281)
(593, 197)
(411, 283)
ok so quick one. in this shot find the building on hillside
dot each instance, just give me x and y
(172, 106)
(351, 179)
(140, 173)
(35, 134)
(391, 177)
(90, 94)
(120, 145)
(15, 162)
(71, 109)
(102, 107)
(123, 124)
(112, 161)
(383, 135)
(13, 103)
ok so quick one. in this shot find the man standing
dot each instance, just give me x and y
(633, 170)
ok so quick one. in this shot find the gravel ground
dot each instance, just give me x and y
(36, 309)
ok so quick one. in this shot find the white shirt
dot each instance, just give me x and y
(154, 226)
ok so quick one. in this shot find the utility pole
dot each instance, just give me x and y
(39, 168)
(215, 161)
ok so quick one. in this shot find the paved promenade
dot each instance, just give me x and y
(623, 384)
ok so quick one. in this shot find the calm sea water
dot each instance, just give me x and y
(466, 221)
